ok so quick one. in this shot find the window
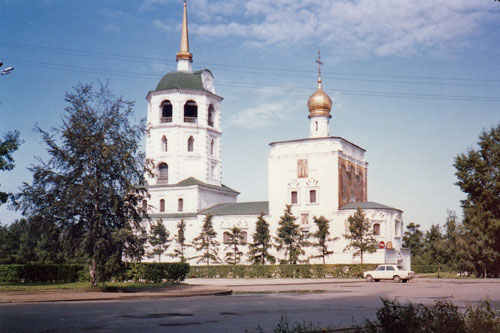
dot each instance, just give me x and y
(312, 196)
(244, 238)
(316, 125)
(163, 173)
(390, 268)
(145, 205)
(211, 113)
(166, 112)
(180, 205)
(164, 144)
(212, 147)
(294, 197)
(225, 237)
(162, 206)
(191, 144)
(304, 218)
(381, 268)
(376, 229)
(190, 112)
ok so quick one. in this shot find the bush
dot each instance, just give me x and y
(156, 272)
(41, 273)
(280, 271)
(443, 316)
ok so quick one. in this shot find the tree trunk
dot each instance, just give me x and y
(485, 272)
(361, 257)
(92, 272)
(323, 259)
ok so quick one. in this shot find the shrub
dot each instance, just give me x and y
(156, 272)
(280, 271)
(41, 273)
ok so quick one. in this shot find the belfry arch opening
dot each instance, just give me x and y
(211, 115)
(166, 112)
(190, 112)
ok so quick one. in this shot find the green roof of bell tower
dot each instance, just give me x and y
(181, 80)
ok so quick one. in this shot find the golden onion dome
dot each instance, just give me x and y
(319, 103)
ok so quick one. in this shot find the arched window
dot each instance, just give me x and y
(190, 112)
(180, 205)
(162, 206)
(211, 114)
(166, 112)
(295, 198)
(244, 237)
(312, 196)
(191, 144)
(164, 144)
(212, 144)
(225, 237)
(376, 229)
(163, 173)
(145, 205)
(316, 125)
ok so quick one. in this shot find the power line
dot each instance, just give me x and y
(247, 85)
(263, 70)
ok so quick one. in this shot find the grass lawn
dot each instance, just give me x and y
(108, 286)
(445, 275)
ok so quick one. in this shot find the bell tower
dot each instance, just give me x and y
(184, 130)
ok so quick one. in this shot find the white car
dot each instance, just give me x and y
(389, 272)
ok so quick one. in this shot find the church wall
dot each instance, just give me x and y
(210, 197)
(171, 195)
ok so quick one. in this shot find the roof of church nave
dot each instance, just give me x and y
(190, 181)
(324, 138)
(366, 205)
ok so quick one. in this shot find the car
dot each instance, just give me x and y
(389, 272)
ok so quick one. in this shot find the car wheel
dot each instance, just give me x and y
(369, 278)
(396, 279)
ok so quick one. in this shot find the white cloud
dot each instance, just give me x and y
(363, 27)
(258, 117)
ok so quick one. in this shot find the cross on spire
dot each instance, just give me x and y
(319, 68)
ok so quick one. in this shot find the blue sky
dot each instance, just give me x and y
(412, 82)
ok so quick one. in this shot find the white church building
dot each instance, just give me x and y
(321, 175)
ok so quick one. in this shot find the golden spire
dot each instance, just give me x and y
(184, 49)
(319, 103)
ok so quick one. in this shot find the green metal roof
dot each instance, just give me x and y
(238, 208)
(181, 80)
(366, 205)
(172, 216)
(193, 181)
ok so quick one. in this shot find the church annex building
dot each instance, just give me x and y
(321, 175)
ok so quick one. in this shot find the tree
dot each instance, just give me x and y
(478, 173)
(413, 240)
(261, 245)
(8, 144)
(322, 237)
(290, 238)
(180, 240)
(92, 184)
(360, 235)
(206, 243)
(435, 247)
(159, 240)
(234, 238)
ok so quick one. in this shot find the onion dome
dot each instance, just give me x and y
(319, 103)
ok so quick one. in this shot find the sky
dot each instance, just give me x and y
(412, 82)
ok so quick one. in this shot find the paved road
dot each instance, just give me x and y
(337, 305)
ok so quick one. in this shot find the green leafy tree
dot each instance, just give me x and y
(478, 173)
(290, 238)
(413, 239)
(158, 239)
(259, 252)
(234, 239)
(8, 144)
(180, 240)
(92, 184)
(206, 243)
(435, 247)
(322, 236)
(360, 235)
